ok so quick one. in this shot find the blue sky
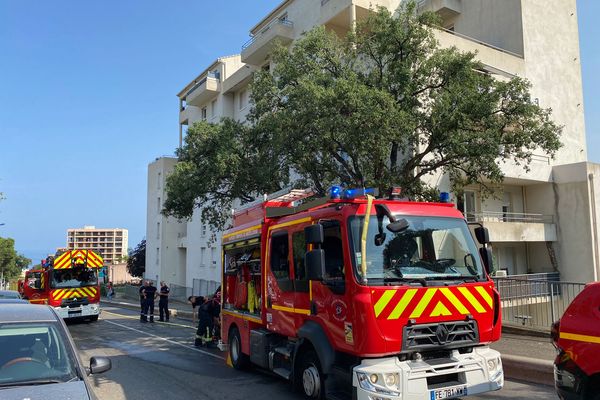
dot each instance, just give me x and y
(88, 99)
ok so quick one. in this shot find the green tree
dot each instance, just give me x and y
(136, 262)
(384, 106)
(11, 263)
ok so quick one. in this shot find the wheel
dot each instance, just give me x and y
(310, 378)
(239, 360)
(94, 318)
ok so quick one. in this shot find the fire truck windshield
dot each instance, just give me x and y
(73, 278)
(429, 248)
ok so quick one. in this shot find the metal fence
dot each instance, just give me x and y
(535, 300)
(203, 287)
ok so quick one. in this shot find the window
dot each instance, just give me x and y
(158, 181)
(299, 251)
(280, 265)
(203, 256)
(158, 230)
(242, 99)
(203, 230)
(213, 108)
(334, 253)
(158, 205)
(157, 255)
(203, 113)
(213, 260)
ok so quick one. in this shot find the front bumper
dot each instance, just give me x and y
(88, 310)
(477, 372)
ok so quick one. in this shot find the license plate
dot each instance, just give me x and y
(448, 393)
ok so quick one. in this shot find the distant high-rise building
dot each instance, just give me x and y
(110, 243)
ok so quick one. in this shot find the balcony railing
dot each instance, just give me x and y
(273, 23)
(495, 216)
(212, 74)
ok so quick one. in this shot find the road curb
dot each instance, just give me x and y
(528, 369)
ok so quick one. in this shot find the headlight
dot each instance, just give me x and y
(391, 380)
(369, 382)
(491, 365)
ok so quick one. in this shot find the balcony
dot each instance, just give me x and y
(203, 91)
(238, 80)
(496, 60)
(256, 50)
(516, 227)
(445, 8)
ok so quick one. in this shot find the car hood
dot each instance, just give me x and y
(55, 391)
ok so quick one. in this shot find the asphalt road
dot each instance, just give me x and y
(159, 360)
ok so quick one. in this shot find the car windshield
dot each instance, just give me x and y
(34, 353)
(73, 278)
(429, 248)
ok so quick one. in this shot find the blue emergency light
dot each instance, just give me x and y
(336, 192)
(444, 197)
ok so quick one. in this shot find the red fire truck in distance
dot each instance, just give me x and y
(28, 289)
(351, 295)
(69, 283)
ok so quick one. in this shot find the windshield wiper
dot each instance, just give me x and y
(422, 281)
(473, 278)
(31, 383)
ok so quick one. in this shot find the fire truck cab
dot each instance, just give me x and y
(68, 283)
(362, 297)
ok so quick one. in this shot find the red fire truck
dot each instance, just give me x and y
(28, 289)
(352, 295)
(67, 282)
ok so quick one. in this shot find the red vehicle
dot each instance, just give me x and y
(351, 295)
(577, 337)
(32, 287)
(69, 283)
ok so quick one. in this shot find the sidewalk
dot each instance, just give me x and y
(525, 357)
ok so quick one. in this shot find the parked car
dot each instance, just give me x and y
(9, 294)
(577, 337)
(39, 359)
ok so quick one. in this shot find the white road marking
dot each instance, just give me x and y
(166, 340)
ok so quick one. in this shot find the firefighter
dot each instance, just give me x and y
(143, 316)
(163, 302)
(149, 296)
(208, 312)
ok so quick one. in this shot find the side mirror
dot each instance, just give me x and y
(99, 365)
(314, 234)
(486, 256)
(482, 234)
(315, 264)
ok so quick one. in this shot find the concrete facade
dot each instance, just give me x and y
(110, 243)
(533, 218)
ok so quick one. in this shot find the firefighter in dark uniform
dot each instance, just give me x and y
(143, 317)
(149, 296)
(207, 313)
(163, 302)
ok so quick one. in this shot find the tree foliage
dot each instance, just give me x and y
(136, 262)
(11, 263)
(385, 106)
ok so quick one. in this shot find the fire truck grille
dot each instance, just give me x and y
(446, 335)
(75, 302)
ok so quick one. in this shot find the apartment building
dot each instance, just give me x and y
(541, 220)
(110, 243)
